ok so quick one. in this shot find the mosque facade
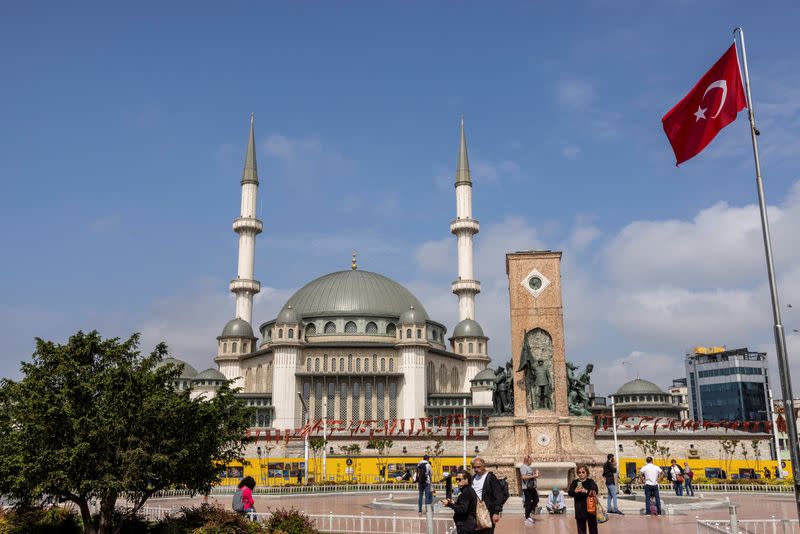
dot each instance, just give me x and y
(351, 345)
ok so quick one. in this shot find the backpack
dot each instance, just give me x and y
(422, 474)
(503, 482)
(236, 503)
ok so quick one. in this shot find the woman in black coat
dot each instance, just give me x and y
(580, 489)
(465, 505)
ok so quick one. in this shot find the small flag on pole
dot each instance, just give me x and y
(710, 106)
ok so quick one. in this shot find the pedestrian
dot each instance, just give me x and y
(651, 475)
(610, 476)
(424, 475)
(688, 475)
(777, 473)
(243, 498)
(556, 503)
(676, 477)
(582, 489)
(530, 497)
(766, 473)
(489, 492)
(465, 505)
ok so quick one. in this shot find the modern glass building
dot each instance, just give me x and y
(727, 385)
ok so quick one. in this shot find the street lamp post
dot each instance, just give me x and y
(305, 437)
(774, 421)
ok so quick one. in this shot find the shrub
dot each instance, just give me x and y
(207, 519)
(40, 521)
(283, 521)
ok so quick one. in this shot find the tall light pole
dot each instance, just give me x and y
(464, 424)
(305, 437)
(774, 421)
(325, 438)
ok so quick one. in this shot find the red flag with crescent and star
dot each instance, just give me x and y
(710, 106)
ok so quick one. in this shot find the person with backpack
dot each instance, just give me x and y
(492, 492)
(242, 501)
(424, 476)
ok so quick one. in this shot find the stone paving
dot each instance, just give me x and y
(750, 506)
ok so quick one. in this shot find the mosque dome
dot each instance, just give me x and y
(210, 374)
(354, 293)
(237, 328)
(468, 328)
(412, 316)
(639, 387)
(187, 372)
(288, 315)
(486, 374)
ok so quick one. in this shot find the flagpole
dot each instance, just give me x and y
(780, 339)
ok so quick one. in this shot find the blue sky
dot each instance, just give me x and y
(124, 126)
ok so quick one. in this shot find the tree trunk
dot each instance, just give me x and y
(107, 506)
(86, 515)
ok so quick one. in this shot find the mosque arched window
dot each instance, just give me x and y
(318, 400)
(341, 365)
(430, 378)
(408, 333)
(366, 364)
(280, 333)
(224, 347)
(419, 333)
(383, 364)
(325, 362)
(316, 365)
(244, 347)
(311, 330)
(454, 379)
(233, 347)
(391, 329)
(308, 364)
(461, 348)
(343, 401)
(291, 333)
(356, 400)
(470, 347)
(330, 327)
(350, 362)
(391, 364)
(480, 347)
(350, 327)
(259, 377)
(372, 328)
(442, 378)
(358, 365)
(374, 362)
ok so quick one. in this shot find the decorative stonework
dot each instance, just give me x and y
(535, 283)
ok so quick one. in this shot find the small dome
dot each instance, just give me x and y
(237, 328)
(639, 387)
(468, 328)
(486, 374)
(412, 316)
(187, 372)
(288, 315)
(210, 374)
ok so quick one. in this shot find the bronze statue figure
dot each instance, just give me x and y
(578, 399)
(535, 361)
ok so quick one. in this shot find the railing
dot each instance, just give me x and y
(337, 523)
(753, 488)
(301, 490)
(749, 526)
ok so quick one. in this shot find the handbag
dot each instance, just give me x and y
(591, 504)
(680, 479)
(482, 516)
(602, 515)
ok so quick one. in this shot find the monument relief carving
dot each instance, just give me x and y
(536, 361)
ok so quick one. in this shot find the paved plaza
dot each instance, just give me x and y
(751, 506)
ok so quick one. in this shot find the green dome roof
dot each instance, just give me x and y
(639, 387)
(468, 328)
(288, 315)
(210, 374)
(237, 328)
(486, 374)
(353, 292)
(187, 372)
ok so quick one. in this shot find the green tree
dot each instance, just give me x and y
(381, 447)
(353, 451)
(754, 444)
(435, 451)
(93, 420)
(317, 445)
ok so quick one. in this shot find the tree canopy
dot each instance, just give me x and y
(94, 420)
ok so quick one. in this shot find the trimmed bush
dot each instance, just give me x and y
(283, 521)
(40, 521)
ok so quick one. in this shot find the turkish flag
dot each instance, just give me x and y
(710, 106)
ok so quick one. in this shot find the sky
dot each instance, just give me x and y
(123, 135)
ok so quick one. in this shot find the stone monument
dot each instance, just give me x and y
(548, 418)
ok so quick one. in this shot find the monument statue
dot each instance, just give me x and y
(536, 361)
(577, 398)
(503, 390)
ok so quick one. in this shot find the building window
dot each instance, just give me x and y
(316, 365)
(392, 399)
(325, 363)
(461, 348)
(244, 346)
(391, 364)
(372, 328)
(311, 330)
(350, 363)
(470, 347)
(331, 400)
(291, 333)
(368, 400)
(430, 377)
(380, 391)
(233, 347)
(224, 347)
(442, 378)
(408, 333)
(383, 364)
(419, 333)
(358, 365)
(341, 365)
(374, 362)
(330, 327)
(343, 401)
(350, 327)
(366, 364)
(280, 333)
(480, 347)
(391, 329)
(318, 400)
(308, 364)
(356, 400)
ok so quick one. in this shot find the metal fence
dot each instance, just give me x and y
(337, 523)
(744, 488)
(748, 526)
(302, 490)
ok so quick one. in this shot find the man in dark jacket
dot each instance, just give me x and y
(488, 489)
(610, 476)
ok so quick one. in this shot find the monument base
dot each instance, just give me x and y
(556, 444)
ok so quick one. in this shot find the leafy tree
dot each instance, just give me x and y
(381, 447)
(317, 445)
(353, 451)
(754, 444)
(435, 451)
(93, 421)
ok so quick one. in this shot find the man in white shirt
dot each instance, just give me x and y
(651, 474)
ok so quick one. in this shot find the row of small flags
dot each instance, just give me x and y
(666, 423)
(452, 425)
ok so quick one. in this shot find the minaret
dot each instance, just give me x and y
(248, 227)
(464, 227)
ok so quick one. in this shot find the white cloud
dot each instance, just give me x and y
(287, 148)
(574, 93)
(571, 151)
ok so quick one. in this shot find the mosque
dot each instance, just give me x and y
(351, 345)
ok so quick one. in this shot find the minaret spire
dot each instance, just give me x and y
(464, 227)
(248, 227)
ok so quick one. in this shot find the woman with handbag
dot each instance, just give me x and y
(676, 477)
(465, 505)
(584, 490)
